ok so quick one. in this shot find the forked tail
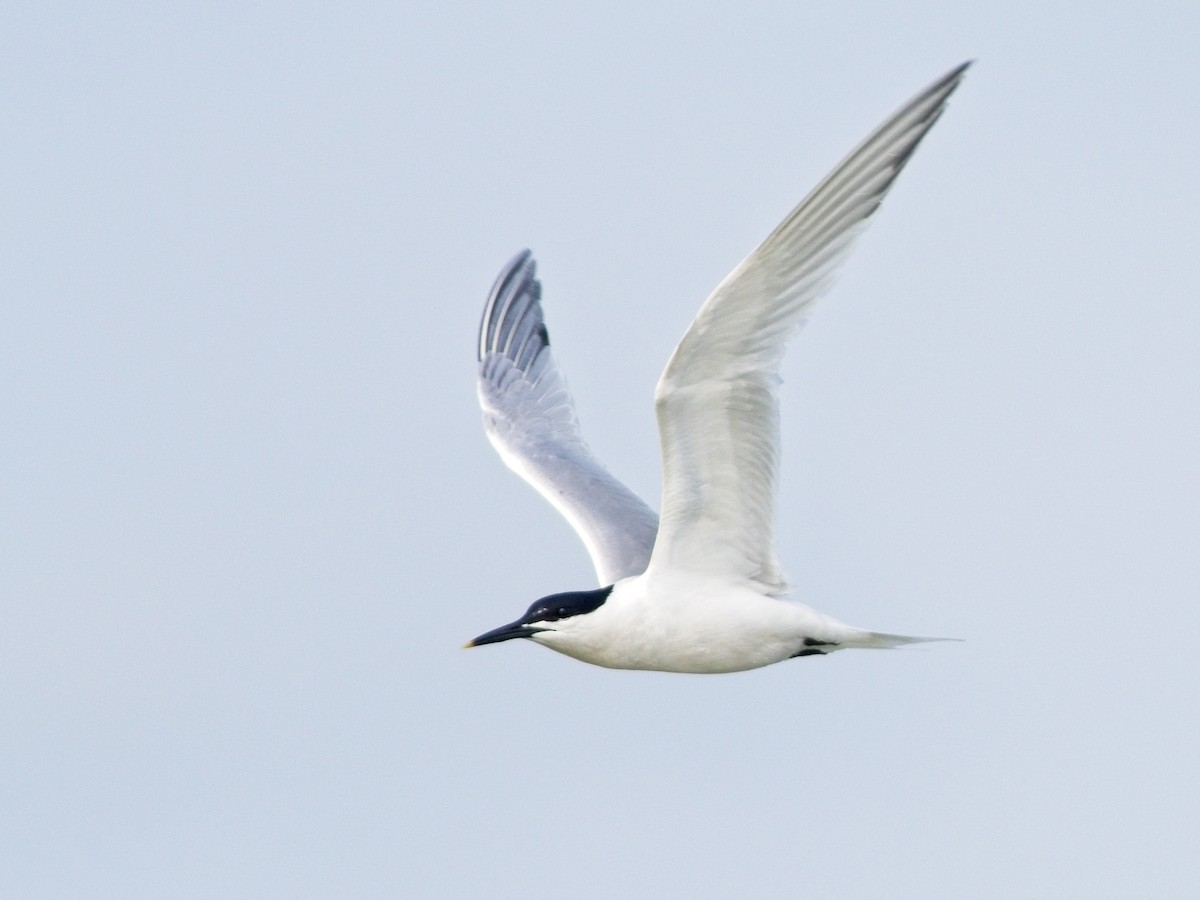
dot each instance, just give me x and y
(877, 640)
(839, 636)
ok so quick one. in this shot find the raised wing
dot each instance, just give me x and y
(718, 414)
(529, 417)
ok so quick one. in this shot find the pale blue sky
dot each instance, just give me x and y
(250, 515)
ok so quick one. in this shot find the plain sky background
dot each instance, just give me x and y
(250, 516)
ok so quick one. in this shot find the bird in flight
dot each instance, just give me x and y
(699, 589)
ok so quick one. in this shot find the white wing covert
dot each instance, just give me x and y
(718, 412)
(529, 417)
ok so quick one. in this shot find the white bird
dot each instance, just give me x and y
(700, 590)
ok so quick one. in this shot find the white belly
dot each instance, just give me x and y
(688, 626)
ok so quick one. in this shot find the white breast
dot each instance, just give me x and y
(688, 623)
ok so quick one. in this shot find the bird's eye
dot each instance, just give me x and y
(551, 613)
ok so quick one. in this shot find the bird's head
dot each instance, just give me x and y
(551, 619)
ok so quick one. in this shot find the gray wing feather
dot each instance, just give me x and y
(529, 417)
(717, 405)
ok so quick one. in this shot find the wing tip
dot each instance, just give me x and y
(950, 80)
(519, 275)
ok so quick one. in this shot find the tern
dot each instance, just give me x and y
(699, 589)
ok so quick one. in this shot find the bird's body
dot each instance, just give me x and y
(699, 590)
(685, 622)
